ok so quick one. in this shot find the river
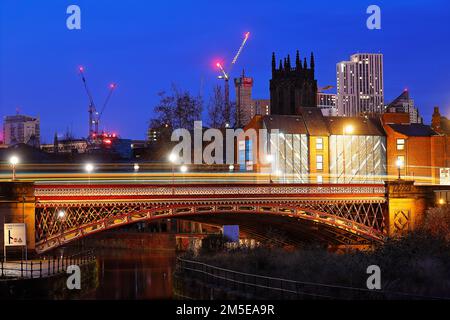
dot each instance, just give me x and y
(133, 274)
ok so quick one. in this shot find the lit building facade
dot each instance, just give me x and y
(246, 106)
(403, 103)
(21, 129)
(326, 102)
(357, 150)
(311, 148)
(245, 109)
(360, 87)
(417, 151)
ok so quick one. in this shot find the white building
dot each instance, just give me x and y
(360, 87)
(327, 104)
(21, 129)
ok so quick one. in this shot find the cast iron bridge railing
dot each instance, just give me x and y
(267, 287)
(68, 212)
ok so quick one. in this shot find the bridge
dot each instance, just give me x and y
(59, 213)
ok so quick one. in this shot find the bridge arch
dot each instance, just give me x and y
(342, 222)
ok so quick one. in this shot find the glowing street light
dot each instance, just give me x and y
(399, 164)
(183, 168)
(61, 214)
(14, 161)
(173, 158)
(231, 167)
(136, 167)
(89, 167)
(348, 129)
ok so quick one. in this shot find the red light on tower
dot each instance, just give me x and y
(81, 68)
(247, 34)
(112, 86)
(218, 65)
(107, 141)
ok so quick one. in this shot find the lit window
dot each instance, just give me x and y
(319, 162)
(319, 179)
(400, 144)
(319, 143)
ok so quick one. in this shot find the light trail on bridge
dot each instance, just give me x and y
(161, 173)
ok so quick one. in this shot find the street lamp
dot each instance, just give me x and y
(136, 167)
(399, 164)
(89, 167)
(347, 130)
(14, 160)
(173, 158)
(61, 215)
(231, 167)
(183, 169)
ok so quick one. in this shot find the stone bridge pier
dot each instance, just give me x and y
(407, 205)
(17, 205)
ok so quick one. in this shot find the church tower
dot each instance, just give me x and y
(292, 87)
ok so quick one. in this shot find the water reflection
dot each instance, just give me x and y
(133, 274)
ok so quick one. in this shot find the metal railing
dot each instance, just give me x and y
(45, 267)
(277, 288)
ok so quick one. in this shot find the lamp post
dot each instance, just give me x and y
(14, 160)
(347, 130)
(173, 158)
(61, 215)
(399, 164)
(89, 167)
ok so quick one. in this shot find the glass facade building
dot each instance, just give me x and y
(357, 158)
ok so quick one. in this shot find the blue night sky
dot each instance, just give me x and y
(144, 46)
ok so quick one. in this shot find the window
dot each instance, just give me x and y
(400, 144)
(319, 143)
(319, 179)
(319, 162)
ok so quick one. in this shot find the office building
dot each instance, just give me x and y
(360, 88)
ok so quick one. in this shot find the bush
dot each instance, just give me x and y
(417, 263)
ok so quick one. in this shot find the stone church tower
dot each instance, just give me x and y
(292, 87)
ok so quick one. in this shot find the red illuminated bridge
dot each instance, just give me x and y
(330, 213)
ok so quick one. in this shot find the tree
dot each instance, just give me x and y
(437, 222)
(179, 109)
(218, 112)
(215, 108)
(176, 109)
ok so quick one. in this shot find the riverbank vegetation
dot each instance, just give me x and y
(417, 263)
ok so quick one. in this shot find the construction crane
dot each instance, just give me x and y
(226, 75)
(94, 115)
